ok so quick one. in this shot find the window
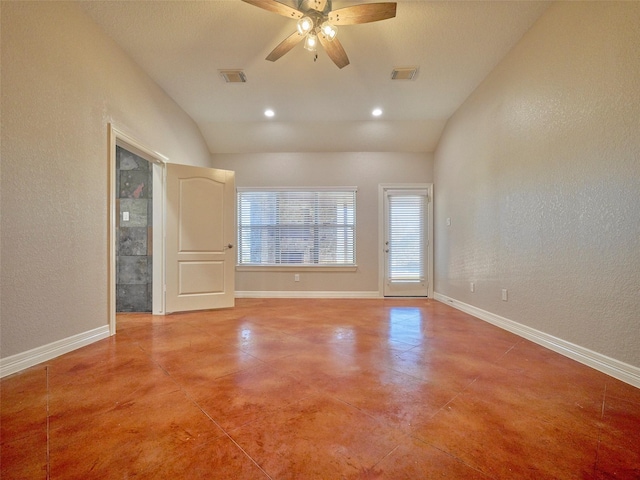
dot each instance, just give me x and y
(280, 227)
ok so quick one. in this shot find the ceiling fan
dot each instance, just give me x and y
(317, 24)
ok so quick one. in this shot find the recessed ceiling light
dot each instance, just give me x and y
(376, 112)
(269, 113)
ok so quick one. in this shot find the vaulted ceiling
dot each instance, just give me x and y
(184, 44)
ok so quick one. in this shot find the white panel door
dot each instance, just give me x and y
(405, 243)
(200, 231)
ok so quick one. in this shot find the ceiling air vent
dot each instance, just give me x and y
(233, 76)
(405, 73)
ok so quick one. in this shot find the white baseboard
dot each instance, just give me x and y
(304, 294)
(20, 361)
(615, 368)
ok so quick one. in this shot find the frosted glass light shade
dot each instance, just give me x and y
(329, 31)
(305, 25)
(311, 42)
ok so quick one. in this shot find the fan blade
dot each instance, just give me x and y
(335, 51)
(276, 7)
(365, 13)
(318, 5)
(284, 46)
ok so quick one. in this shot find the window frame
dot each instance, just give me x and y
(297, 266)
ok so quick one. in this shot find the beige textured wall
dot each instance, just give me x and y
(363, 170)
(63, 81)
(539, 172)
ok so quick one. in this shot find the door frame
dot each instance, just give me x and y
(118, 138)
(382, 189)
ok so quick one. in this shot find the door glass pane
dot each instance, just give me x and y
(406, 238)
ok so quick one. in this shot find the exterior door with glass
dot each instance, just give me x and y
(406, 242)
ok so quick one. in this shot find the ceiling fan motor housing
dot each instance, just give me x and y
(309, 6)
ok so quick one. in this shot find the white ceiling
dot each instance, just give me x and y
(184, 44)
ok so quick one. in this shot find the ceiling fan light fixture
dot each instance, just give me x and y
(305, 25)
(311, 42)
(329, 31)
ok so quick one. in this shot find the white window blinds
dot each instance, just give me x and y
(296, 227)
(406, 239)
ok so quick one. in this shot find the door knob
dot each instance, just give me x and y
(229, 246)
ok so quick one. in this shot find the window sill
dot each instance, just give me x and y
(296, 268)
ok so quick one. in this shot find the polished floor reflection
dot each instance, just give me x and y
(317, 389)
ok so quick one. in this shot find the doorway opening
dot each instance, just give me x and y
(193, 218)
(134, 232)
(136, 226)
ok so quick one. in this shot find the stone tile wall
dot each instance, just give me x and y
(134, 251)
